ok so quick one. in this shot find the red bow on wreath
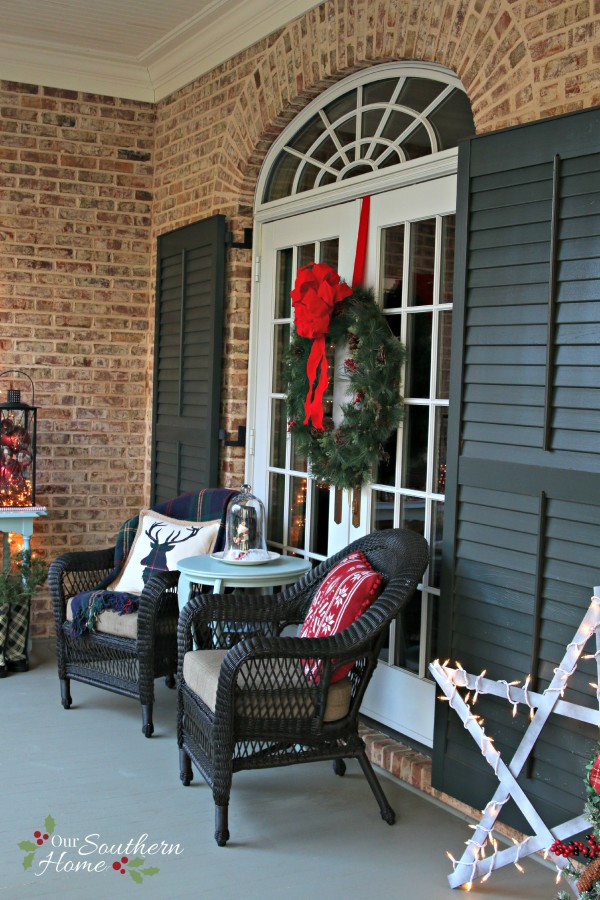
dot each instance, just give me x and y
(316, 291)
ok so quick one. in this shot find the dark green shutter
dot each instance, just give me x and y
(522, 541)
(188, 351)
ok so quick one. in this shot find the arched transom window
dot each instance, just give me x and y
(391, 115)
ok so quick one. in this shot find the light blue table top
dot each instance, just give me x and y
(210, 571)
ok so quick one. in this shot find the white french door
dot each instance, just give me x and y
(301, 517)
(409, 265)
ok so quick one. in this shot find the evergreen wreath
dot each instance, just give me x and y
(584, 859)
(344, 456)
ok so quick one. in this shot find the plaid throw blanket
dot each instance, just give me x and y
(87, 606)
(196, 506)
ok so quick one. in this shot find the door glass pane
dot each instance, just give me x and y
(278, 434)
(386, 468)
(395, 323)
(306, 254)
(418, 339)
(299, 460)
(408, 635)
(319, 518)
(412, 514)
(281, 343)
(392, 255)
(437, 525)
(329, 252)
(382, 506)
(283, 283)
(447, 276)
(297, 520)
(422, 259)
(416, 421)
(440, 450)
(445, 340)
(276, 507)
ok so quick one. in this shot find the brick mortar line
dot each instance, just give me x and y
(414, 768)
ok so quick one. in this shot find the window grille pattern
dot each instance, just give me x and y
(371, 127)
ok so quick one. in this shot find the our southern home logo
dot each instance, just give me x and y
(89, 854)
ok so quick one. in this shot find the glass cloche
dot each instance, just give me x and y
(245, 529)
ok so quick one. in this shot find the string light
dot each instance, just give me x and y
(461, 690)
(519, 847)
(508, 686)
(15, 492)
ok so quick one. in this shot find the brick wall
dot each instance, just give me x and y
(87, 183)
(75, 216)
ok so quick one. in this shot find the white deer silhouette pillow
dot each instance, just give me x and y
(160, 542)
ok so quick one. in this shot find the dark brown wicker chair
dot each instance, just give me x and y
(252, 706)
(125, 665)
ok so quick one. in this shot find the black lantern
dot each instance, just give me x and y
(17, 447)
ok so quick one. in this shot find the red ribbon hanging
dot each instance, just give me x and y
(361, 243)
(316, 291)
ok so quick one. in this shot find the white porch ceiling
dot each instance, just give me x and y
(135, 49)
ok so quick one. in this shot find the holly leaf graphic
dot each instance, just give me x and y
(152, 871)
(136, 876)
(138, 861)
(28, 861)
(49, 824)
(27, 845)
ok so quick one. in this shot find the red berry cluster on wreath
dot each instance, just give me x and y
(118, 866)
(577, 848)
(40, 838)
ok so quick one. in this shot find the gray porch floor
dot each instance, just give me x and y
(295, 832)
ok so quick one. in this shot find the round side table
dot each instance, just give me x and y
(210, 571)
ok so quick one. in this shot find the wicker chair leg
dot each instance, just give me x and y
(221, 824)
(387, 813)
(170, 681)
(185, 768)
(147, 725)
(65, 692)
(339, 767)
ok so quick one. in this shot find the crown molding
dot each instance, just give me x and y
(222, 30)
(36, 62)
(216, 42)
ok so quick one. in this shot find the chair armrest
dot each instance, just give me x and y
(159, 598)
(83, 570)
(241, 613)
(338, 646)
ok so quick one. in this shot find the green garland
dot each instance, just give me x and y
(592, 814)
(345, 456)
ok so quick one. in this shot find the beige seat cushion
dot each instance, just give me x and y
(201, 673)
(110, 622)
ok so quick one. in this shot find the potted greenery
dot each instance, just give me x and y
(22, 573)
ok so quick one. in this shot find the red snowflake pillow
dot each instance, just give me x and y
(351, 587)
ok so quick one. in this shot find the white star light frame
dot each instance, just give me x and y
(475, 862)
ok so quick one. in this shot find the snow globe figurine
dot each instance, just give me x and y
(245, 529)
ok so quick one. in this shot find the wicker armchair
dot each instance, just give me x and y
(143, 646)
(253, 705)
